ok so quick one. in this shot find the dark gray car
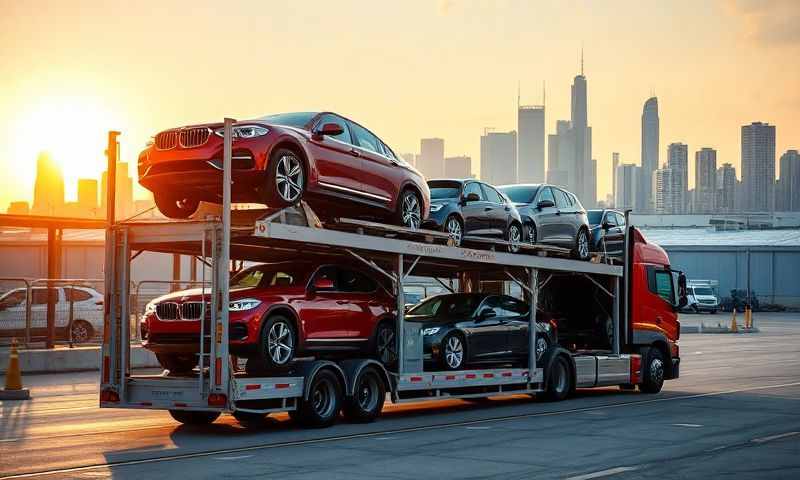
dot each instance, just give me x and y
(551, 215)
(607, 231)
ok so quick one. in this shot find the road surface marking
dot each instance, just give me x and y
(315, 441)
(688, 425)
(237, 457)
(478, 428)
(774, 437)
(604, 473)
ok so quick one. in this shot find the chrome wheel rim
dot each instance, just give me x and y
(453, 352)
(368, 393)
(514, 238)
(80, 333)
(322, 398)
(280, 343)
(531, 235)
(657, 370)
(541, 346)
(289, 178)
(411, 211)
(386, 347)
(583, 245)
(453, 227)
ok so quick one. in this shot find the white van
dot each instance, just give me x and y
(701, 297)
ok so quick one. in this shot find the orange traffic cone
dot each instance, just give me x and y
(734, 328)
(14, 390)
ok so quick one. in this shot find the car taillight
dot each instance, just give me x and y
(109, 395)
(217, 400)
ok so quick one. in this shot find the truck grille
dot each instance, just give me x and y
(191, 310)
(166, 140)
(194, 137)
(167, 311)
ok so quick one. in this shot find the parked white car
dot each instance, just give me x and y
(87, 312)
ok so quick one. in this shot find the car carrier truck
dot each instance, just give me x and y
(617, 325)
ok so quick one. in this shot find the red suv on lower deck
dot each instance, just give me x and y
(278, 160)
(278, 312)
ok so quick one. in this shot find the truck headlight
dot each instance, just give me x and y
(243, 304)
(431, 331)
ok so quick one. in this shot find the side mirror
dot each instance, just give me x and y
(329, 129)
(606, 226)
(472, 197)
(322, 284)
(545, 204)
(679, 286)
(486, 313)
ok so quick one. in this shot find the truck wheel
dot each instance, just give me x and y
(323, 403)
(559, 380)
(190, 417)
(368, 396)
(653, 371)
(176, 363)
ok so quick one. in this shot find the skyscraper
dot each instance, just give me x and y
(678, 162)
(614, 165)
(560, 155)
(758, 166)
(626, 179)
(582, 143)
(431, 157)
(705, 180)
(87, 194)
(458, 167)
(726, 188)
(650, 146)
(663, 191)
(48, 189)
(530, 152)
(499, 157)
(789, 191)
(123, 200)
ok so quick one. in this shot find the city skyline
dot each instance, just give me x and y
(457, 74)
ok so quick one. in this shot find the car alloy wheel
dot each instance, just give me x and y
(454, 352)
(583, 245)
(280, 343)
(541, 347)
(289, 178)
(531, 234)
(453, 227)
(81, 332)
(387, 349)
(411, 211)
(514, 238)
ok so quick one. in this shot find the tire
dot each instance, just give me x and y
(324, 401)
(409, 210)
(175, 206)
(82, 331)
(190, 417)
(177, 363)
(455, 228)
(581, 249)
(286, 178)
(454, 352)
(514, 237)
(653, 371)
(368, 397)
(559, 380)
(277, 342)
(385, 349)
(695, 309)
(530, 233)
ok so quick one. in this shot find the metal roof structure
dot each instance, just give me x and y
(709, 237)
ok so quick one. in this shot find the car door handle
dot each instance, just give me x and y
(355, 152)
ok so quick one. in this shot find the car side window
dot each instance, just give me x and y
(39, 296)
(561, 198)
(660, 283)
(492, 195)
(387, 152)
(611, 219)
(14, 299)
(76, 295)
(506, 306)
(474, 187)
(342, 137)
(353, 281)
(547, 194)
(620, 219)
(364, 139)
(329, 273)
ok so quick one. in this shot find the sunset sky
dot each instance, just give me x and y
(411, 69)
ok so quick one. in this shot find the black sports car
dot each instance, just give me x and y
(551, 215)
(470, 207)
(473, 328)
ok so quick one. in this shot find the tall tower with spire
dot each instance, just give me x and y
(581, 179)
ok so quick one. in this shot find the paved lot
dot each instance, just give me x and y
(735, 412)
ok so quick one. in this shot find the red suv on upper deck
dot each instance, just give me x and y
(279, 159)
(277, 312)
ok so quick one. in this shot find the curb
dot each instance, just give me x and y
(714, 329)
(79, 359)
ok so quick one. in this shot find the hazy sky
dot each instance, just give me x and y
(410, 69)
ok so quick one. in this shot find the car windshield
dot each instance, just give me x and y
(703, 291)
(594, 216)
(268, 276)
(296, 119)
(520, 193)
(443, 190)
(457, 305)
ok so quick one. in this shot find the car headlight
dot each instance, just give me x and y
(244, 131)
(435, 207)
(150, 308)
(243, 304)
(431, 331)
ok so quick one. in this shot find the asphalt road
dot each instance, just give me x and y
(735, 412)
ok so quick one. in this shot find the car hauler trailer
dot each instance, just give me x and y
(314, 391)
